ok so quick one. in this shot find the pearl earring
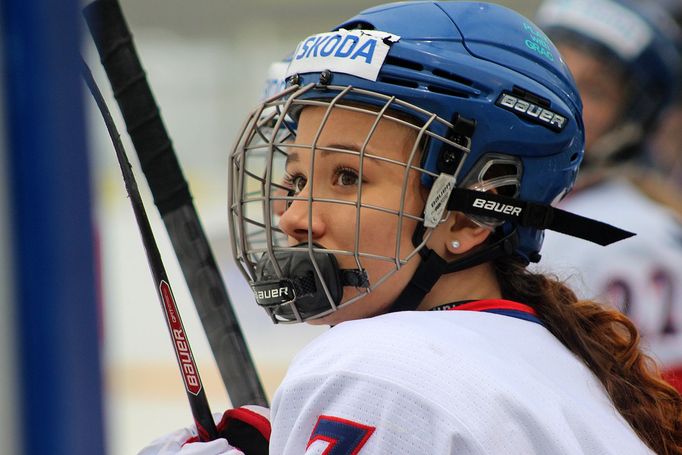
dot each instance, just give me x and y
(454, 244)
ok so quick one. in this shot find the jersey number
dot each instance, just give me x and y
(343, 437)
(660, 293)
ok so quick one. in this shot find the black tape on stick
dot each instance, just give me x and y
(138, 106)
(172, 197)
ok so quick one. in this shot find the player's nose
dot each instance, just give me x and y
(300, 217)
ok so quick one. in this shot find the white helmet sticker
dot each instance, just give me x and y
(438, 198)
(607, 22)
(356, 52)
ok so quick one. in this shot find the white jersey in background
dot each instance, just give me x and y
(641, 275)
(444, 382)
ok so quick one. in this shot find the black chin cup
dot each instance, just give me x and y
(298, 294)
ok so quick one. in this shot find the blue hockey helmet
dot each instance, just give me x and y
(485, 63)
(489, 93)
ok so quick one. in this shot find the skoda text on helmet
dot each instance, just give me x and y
(641, 37)
(492, 107)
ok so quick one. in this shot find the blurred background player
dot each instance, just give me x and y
(625, 62)
(665, 145)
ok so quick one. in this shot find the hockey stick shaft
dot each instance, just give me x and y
(172, 197)
(188, 368)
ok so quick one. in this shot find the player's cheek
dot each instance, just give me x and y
(378, 232)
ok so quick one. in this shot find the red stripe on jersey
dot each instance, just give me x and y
(495, 304)
(674, 377)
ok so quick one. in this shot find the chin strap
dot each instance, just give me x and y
(354, 277)
(432, 267)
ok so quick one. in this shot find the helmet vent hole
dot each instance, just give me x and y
(452, 77)
(532, 97)
(448, 91)
(396, 81)
(360, 25)
(396, 61)
(574, 157)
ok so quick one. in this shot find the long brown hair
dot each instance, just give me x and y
(608, 342)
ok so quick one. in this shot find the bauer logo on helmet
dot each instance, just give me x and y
(532, 111)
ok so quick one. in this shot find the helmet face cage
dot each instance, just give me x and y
(259, 195)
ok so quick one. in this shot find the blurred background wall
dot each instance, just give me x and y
(206, 62)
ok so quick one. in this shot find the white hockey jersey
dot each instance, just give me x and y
(444, 382)
(642, 275)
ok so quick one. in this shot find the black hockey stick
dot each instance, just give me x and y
(172, 197)
(188, 368)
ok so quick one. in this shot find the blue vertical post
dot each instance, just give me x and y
(51, 222)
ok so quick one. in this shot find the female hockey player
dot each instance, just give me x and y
(626, 66)
(396, 191)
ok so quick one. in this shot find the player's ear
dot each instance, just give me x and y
(460, 235)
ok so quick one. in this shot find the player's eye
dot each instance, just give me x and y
(295, 183)
(346, 177)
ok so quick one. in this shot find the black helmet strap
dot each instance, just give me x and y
(534, 215)
(432, 267)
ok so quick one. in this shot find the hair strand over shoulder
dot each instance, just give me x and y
(608, 342)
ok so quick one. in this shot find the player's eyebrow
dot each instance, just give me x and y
(294, 157)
